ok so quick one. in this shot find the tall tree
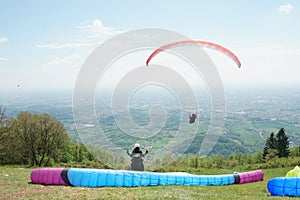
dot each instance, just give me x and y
(53, 139)
(270, 144)
(42, 137)
(282, 144)
(277, 145)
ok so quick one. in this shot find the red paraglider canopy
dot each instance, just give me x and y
(196, 42)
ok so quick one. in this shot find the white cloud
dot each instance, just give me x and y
(64, 45)
(3, 39)
(2, 59)
(65, 60)
(97, 28)
(94, 29)
(285, 8)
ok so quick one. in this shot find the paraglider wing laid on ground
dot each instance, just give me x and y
(199, 43)
(247, 177)
(294, 172)
(125, 178)
(48, 176)
(282, 186)
(286, 186)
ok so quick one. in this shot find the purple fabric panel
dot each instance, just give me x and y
(252, 176)
(47, 176)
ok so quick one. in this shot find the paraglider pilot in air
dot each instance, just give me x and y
(192, 118)
(137, 158)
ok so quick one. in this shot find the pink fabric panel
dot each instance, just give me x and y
(252, 176)
(47, 176)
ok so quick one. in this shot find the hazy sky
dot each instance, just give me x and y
(43, 44)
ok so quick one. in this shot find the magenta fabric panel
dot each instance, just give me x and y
(252, 176)
(47, 176)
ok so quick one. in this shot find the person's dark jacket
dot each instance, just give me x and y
(137, 158)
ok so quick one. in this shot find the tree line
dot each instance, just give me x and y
(38, 140)
(41, 140)
(193, 163)
(276, 153)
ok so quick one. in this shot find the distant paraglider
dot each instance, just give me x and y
(192, 118)
(199, 43)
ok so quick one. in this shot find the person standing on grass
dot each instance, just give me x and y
(137, 158)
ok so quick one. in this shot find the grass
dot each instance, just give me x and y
(15, 184)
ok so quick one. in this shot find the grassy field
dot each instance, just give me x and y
(15, 184)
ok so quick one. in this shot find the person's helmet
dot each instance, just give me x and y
(136, 145)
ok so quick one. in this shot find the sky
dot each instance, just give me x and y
(43, 44)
